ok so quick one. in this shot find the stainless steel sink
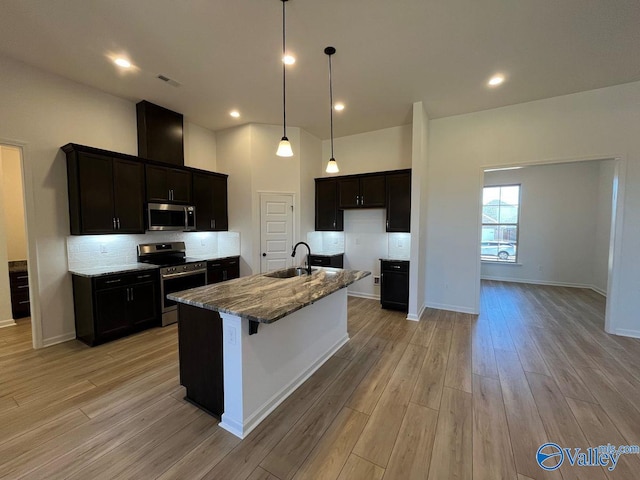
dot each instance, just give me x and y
(289, 272)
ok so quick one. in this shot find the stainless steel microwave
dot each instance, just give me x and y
(166, 216)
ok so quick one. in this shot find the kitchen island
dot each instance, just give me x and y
(247, 344)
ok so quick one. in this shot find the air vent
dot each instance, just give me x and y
(168, 80)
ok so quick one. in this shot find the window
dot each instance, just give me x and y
(500, 216)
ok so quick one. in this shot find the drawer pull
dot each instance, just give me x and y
(23, 286)
(395, 266)
(216, 265)
(23, 302)
(113, 281)
(144, 276)
(22, 277)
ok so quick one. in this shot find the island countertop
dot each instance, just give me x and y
(264, 299)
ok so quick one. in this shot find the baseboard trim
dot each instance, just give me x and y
(270, 405)
(451, 308)
(546, 282)
(370, 296)
(47, 342)
(9, 322)
(416, 318)
(624, 332)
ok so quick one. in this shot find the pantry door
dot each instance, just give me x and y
(276, 231)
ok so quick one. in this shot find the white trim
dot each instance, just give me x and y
(417, 318)
(9, 322)
(546, 282)
(598, 290)
(371, 296)
(32, 250)
(624, 332)
(47, 342)
(270, 405)
(452, 308)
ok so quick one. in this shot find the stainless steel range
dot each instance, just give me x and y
(177, 273)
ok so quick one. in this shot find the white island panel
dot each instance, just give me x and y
(262, 370)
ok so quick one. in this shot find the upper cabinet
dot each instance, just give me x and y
(106, 195)
(390, 190)
(165, 184)
(328, 216)
(210, 200)
(399, 201)
(361, 191)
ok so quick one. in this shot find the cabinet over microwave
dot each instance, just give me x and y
(166, 216)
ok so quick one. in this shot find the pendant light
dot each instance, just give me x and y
(284, 147)
(332, 165)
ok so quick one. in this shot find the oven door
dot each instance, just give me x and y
(176, 282)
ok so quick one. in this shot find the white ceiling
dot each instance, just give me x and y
(226, 54)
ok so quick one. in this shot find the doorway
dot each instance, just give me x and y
(15, 288)
(276, 231)
(566, 219)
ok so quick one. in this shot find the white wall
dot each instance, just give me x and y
(380, 150)
(310, 168)
(13, 197)
(199, 147)
(603, 226)
(558, 224)
(44, 112)
(6, 317)
(596, 124)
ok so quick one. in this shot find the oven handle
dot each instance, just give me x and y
(183, 274)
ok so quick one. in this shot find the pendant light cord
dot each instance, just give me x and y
(331, 101)
(284, 71)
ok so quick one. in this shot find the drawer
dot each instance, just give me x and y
(320, 261)
(18, 279)
(394, 266)
(20, 297)
(335, 261)
(112, 281)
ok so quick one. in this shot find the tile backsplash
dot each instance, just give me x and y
(89, 251)
(327, 243)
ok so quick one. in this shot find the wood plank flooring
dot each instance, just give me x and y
(453, 396)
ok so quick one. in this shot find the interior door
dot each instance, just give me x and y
(276, 231)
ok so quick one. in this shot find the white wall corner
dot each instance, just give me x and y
(9, 322)
(47, 342)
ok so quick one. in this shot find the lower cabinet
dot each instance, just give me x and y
(19, 287)
(335, 261)
(394, 284)
(112, 306)
(223, 269)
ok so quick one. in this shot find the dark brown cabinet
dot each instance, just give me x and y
(394, 284)
(160, 133)
(399, 202)
(361, 191)
(335, 261)
(19, 287)
(328, 216)
(210, 200)
(106, 195)
(166, 184)
(223, 269)
(112, 306)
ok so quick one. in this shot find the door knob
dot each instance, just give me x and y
(264, 254)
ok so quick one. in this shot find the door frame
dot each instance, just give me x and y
(30, 231)
(257, 260)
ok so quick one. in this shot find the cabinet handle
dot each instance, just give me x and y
(210, 223)
(395, 266)
(334, 224)
(114, 223)
(214, 223)
(23, 302)
(113, 281)
(131, 293)
(143, 276)
(118, 223)
(361, 199)
(23, 286)
(387, 224)
(22, 276)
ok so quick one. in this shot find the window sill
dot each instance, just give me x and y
(489, 262)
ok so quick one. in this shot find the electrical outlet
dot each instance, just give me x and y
(539, 268)
(231, 336)
(357, 240)
(376, 280)
(103, 248)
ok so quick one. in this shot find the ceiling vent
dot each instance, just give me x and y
(169, 81)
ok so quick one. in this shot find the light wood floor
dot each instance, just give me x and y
(454, 396)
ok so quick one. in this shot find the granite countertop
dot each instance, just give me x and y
(395, 259)
(327, 254)
(205, 258)
(266, 299)
(18, 266)
(113, 269)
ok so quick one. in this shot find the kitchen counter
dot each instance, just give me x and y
(113, 269)
(265, 299)
(18, 266)
(240, 374)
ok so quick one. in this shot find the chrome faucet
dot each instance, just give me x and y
(293, 254)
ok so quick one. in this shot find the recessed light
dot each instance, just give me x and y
(338, 107)
(122, 62)
(234, 113)
(289, 59)
(496, 80)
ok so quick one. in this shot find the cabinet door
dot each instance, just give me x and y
(143, 304)
(95, 176)
(399, 202)
(179, 182)
(157, 186)
(348, 192)
(128, 188)
(232, 267)
(220, 206)
(111, 315)
(328, 217)
(394, 292)
(214, 272)
(372, 191)
(203, 201)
